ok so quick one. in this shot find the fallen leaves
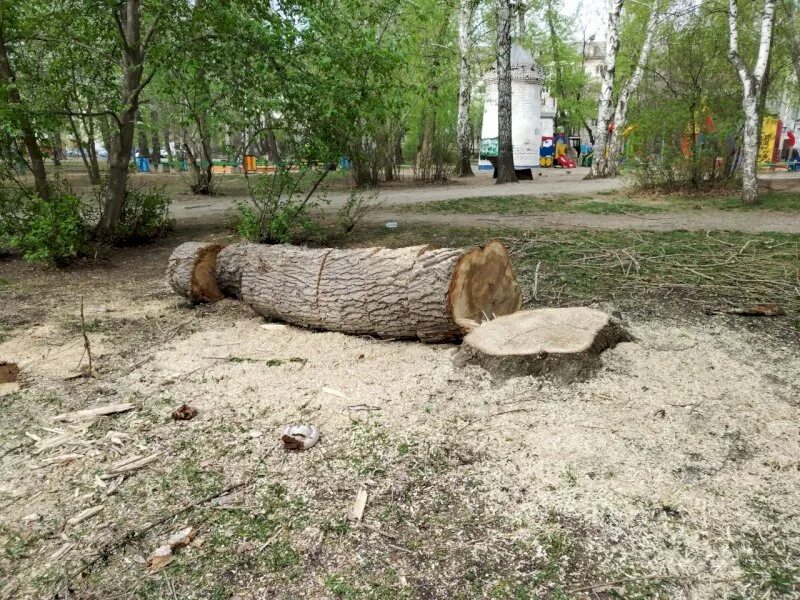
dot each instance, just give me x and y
(184, 413)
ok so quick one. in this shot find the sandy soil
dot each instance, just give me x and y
(674, 472)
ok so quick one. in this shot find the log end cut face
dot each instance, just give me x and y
(483, 285)
(563, 344)
(191, 271)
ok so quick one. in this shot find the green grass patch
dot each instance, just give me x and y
(777, 201)
(716, 270)
(520, 205)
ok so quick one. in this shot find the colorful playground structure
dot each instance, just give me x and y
(557, 152)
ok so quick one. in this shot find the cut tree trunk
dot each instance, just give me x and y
(190, 271)
(562, 344)
(230, 266)
(435, 295)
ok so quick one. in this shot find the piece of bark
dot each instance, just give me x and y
(184, 413)
(758, 310)
(130, 464)
(228, 270)
(85, 514)
(563, 344)
(93, 413)
(160, 558)
(9, 372)
(435, 295)
(357, 511)
(190, 271)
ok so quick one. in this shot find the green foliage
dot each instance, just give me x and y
(53, 231)
(276, 211)
(145, 216)
(357, 205)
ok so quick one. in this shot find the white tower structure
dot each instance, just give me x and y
(526, 104)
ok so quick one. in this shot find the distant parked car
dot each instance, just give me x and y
(163, 155)
(102, 153)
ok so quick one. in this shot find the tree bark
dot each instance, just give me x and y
(190, 271)
(35, 157)
(434, 295)
(752, 90)
(466, 11)
(605, 107)
(141, 134)
(621, 111)
(168, 146)
(505, 148)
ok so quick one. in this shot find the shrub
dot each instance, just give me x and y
(357, 205)
(144, 216)
(53, 231)
(277, 211)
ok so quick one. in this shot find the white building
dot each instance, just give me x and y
(526, 105)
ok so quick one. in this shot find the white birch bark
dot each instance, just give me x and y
(466, 11)
(752, 83)
(621, 111)
(605, 106)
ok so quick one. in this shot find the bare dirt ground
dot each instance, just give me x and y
(673, 474)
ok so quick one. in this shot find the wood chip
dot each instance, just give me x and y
(130, 464)
(61, 459)
(357, 512)
(160, 558)
(85, 514)
(93, 413)
(334, 392)
(181, 538)
(62, 551)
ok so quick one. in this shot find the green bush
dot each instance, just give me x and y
(53, 231)
(144, 216)
(276, 211)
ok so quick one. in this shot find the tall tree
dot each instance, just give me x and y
(793, 18)
(21, 117)
(752, 81)
(628, 88)
(133, 47)
(505, 147)
(605, 105)
(466, 12)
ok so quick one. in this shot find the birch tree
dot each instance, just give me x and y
(466, 12)
(605, 106)
(628, 89)
(505, 156)
(752, 81)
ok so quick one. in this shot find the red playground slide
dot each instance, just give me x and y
(567, 162)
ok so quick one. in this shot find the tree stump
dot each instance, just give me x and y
(190, 271)
(562, 344)
(434, 295)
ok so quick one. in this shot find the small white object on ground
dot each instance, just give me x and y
(85, 514)
(93, 413)
(357, 512)
(299, 437)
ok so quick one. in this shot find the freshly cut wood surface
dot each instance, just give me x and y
(190, 271)
(561, 343)
(434, 295)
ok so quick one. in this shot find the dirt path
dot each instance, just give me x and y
(190, 211)
(706, 220)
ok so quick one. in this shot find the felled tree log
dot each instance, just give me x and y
(229, 268)
(434, 295)
(562, 344)
(190, 271)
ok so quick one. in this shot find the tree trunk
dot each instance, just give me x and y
(605, 107)
(91, 169)
(621, 111)
(58, 149)
(202, 168)
(94, 167)
(143, 149)
(35, 158)
(190, 271)
(119, 156)
(105, 133)
(521, 29)
(273, 153)
(752, 90)
(465, 14)
(168, 146)
(406, 293)
(505, 148)
(156, 140)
